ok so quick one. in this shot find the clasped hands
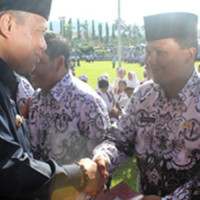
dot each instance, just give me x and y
(97, 175)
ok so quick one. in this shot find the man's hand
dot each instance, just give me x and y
(102, 166)
(96, 182)
(25, 109)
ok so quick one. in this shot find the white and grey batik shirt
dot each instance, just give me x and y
(68, 122)
(165, 138)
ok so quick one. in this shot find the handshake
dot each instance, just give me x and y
(93, 175)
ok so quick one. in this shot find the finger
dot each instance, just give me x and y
(102, 170)
(25, 108)
(102, 164)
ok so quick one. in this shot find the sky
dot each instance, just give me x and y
(132, 11)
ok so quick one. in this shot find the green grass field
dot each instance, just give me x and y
(97, 68)
(127, 171)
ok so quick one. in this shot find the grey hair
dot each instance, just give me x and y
(19, 16)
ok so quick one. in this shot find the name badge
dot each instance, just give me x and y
(148, 119)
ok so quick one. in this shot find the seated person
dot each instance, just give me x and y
(121, 76)
(129, 91)
(121, 97)
(109, 99)
(132, 80)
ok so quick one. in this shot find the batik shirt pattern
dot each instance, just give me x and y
(165, 138)
(25, 90)
(68, 122)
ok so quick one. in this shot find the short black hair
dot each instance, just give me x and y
(129, 89)
(103, 84)
(57, 46)
(123, 82)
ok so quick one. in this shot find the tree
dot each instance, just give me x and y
(107, 33)
(62, 25)
(51, 26)
(69, 30)
(93, 30)
(78, 29)
(100, 32)
(85, 30)
(113, 31)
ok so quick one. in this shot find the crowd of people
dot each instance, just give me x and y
(60, 137)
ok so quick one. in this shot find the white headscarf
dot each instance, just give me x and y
(134, 82)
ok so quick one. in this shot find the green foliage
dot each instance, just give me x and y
(127, 172)
(100, 52)
(86, 49)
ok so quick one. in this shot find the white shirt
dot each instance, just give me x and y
(109, 99)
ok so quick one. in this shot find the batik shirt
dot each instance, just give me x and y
(165, 138)
(67, 122)
(25, 90)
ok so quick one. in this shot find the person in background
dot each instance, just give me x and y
(64, 111)
(22, 177)
(67, 118)
(83, 78)
(114, 62)
(129, 91)
(121, 76)
(108, 96)
(106, 76)
(161, 123)
(121, 96)
(132, 81)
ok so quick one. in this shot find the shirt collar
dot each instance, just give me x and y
(58, 90)
(187, 91)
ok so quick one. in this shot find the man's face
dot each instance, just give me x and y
(167, 62)
(44, 73)
(27, 43)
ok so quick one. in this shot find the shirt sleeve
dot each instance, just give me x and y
(190, 190)
(94, 116)
(118, 144)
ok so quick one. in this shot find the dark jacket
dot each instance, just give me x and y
(21, 176)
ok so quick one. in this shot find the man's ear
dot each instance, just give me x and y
(191, 55)
(6, 24)
(60, 62)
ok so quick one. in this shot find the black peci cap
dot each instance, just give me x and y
(170, 25)
(40, 7)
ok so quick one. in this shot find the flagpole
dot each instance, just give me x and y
(119, 35)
